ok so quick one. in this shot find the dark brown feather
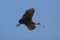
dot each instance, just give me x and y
(28, 14)
(30, 26)
(27, 19)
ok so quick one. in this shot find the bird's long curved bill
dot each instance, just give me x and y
(17, 25)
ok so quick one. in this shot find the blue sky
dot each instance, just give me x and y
(46, 11)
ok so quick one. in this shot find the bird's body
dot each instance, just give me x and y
(27, 19)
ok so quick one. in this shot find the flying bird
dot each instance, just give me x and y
(27, 19)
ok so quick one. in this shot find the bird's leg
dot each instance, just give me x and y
(39, 24)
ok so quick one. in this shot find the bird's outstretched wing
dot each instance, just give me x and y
(28, 14)
(30, 26)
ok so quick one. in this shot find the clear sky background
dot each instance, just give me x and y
(46, 11)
